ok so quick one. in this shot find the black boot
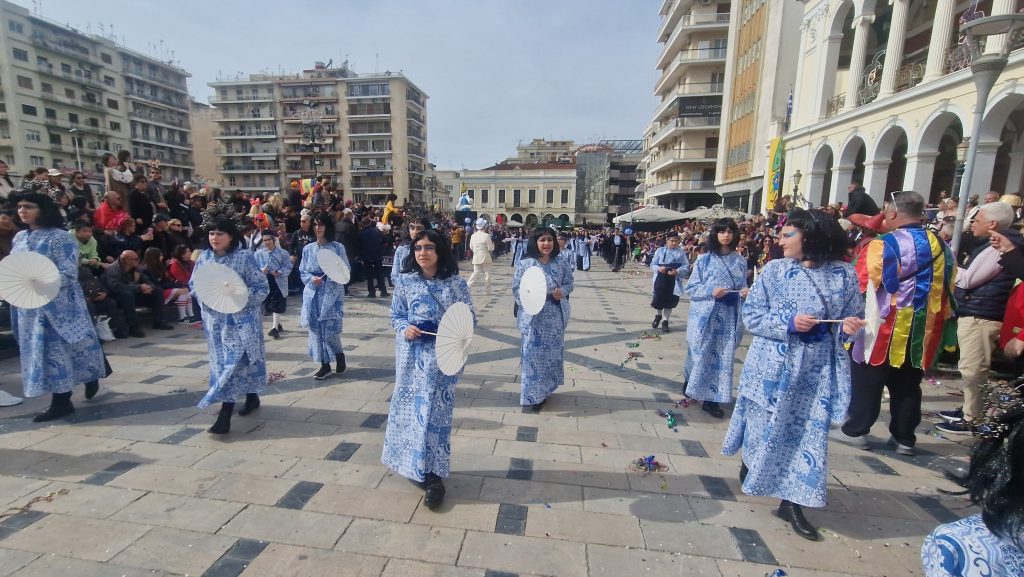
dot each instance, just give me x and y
(252, 402)
(435, 491)
(656, 321)
(712, 408)
(340, 360)
(91, 388)
(664, 326)
(60, 406)
(274, 333)
(324, 372)
(223, 424)
(789, 511)
(743, 472)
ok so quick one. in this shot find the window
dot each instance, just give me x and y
(37, 160)
(549, 196)
(565, 196)
(231, 181)
(50, 113)
(93, 122)
(20, 54)
(46, 87)
(111, 103)
(531, 197)
(516, 197)
(15, 27)
(25, 82)
(116, 126)
(501, 196)
(483, 196)
(69, 93)
(58, 163)
(33, 136)
(106, 58)
(29, 110)
(65, 68)
(108, 80)
(72, 118)
(55, 139)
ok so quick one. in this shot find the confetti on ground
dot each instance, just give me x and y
(650, 335)
(178, 390)
(648, 464)
(935, 434)
(685, 402)
(632, 345)
(274, 377)
(776, 573)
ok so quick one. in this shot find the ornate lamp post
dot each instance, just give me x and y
(797, 199)
(961, 160)
(312, 130)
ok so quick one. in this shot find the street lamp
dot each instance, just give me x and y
(796, 187)
(985, 69)
(74, 140)
(961, 160)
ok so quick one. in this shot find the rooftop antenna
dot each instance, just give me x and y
(112, 36)
(376, 66)
(103, 31)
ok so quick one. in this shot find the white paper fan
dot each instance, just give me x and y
(28, 280)
(872, 316)
(454, 335)
(220, 288)
(336, 269)
(533, 290)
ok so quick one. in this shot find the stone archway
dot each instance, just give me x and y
(531, 221)
(1001, 151)
(517, 218)
(935, 165)
(886, 170)
(849, 168)
(819, 179)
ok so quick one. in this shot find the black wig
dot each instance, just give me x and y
(722, 225)
(531, 245)
(447, 266)
(824, 239)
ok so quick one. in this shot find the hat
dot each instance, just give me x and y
(872, 223)
(481, 223)
(161, 218)
(1011, 199)
(54, 172)
(188, 185)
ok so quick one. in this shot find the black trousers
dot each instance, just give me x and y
(904, 386)
(374, 271)
(127, 301)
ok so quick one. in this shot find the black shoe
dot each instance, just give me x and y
(656, 321)
(953, 416)
(372, 295)
(534, 408)
(222, 425)
(136, 332)
(91, 388)
(664, 326)
(252, 402)
(340, 361)
(324, 372)
(60, 406)
(435, 491)
(712, 408)
(956, 428)
(794, 513)
(274, 333)
(280, 329)
(743, 472)
(162, 327)
(384, 294)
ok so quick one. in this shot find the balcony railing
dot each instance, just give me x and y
(161, 119)
(247, 152)
(704, 19)
(242, 132)
(369, 150)
(670, 186)
(243, 98)
(249, 168)
(158, 99)
(695, 122)
(701, 54)
(166, 141)
(835, 105)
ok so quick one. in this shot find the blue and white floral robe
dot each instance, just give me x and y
(416, 441)
(238, 364)
(518, 249)
(664, 256)
(543, 334)
(793, 385)
(57, 341)
(396, 265)
(714, 326)
(582, 249)
(277, 261)
(323, 307)
(967, 548)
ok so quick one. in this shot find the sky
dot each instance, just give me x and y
(498, 72)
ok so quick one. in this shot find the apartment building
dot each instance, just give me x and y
(682, 139)
(67, 97)
(203, 144)
(368, 132)
(606, 179)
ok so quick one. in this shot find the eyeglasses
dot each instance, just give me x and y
(424, 247)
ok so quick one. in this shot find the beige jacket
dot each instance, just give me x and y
(482, 246)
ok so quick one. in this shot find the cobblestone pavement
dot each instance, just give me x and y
(133, 485)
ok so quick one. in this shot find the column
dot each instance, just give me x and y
(814, 180)
(995, 43)
(984, 167)
(894, 48)
(876, 172)
(1016, 169)
(841, 176)
(942, 36)
(860, 43)
(920, 171)
(827, 68)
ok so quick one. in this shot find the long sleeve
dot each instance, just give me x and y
(308, 266)
(757, 313)
(524, 264)
(1013, 262)
(460, 290)
(697, 286)
(399, 307)
(659, 255)
(568, 278)
(984, 268)
(259, 288)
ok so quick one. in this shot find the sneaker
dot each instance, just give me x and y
(323, 373)
(900, 449)
(9, 400)
(953, 416)
(956, 428)
(839, 436)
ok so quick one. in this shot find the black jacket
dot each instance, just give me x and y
(861, 203)
(988, 301)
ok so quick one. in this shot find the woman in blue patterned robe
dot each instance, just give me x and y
(57, 342)
(402, 251)
(238, 363)
(416, 442)
(276, 263)
(717, 286)
(670, 265)
(543, 334)
(796, 376)
(323, 300)
(581, 244)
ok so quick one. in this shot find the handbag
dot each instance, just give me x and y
(103, 330)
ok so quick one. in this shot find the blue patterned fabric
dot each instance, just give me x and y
(277, 261)
(518, 249)
(416, 441)
(543, 334)
(237, 361)
(665, 256)
(57, 342)
(396, 265)
(713, 327)
(581, 246)
(323, 307)
(791, 389)
(966, 548)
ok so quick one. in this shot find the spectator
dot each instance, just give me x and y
(139, 205)
(126, 239)
(110, 213)
(82, 198)
(129, 287)
(6, 184)
(172, 290)
(97, 302)
(180, 265)
(117, 176)
(155, 190)
(7, 231)
(860, 201)
(371, 252)
(88, 252)
(164, 238)
(348, 235)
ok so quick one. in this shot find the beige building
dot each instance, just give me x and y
(682, 140)
(69, 97)
(543, 150)
(203, 144)
(532, 193)
(884, 94)
(368, 132)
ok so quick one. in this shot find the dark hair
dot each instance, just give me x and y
(422, 221)
(106, 156)
(123, 155)
(139, 178)
(76, 174)
(229, 227)
(153, 259)
(326, 220)
(824, 239)
(179, 250)
(447, 266)
(531, 244)
(995, 479)
(80, 224)
(392, 197)
(722, 225)
(49, 214)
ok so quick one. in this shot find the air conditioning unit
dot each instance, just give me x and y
(706, 2)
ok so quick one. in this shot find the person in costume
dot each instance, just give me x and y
(517, 246)
(323, 300)
(669, 265)
(543, 335)
(991, 543)
(57, 342)
(389, 209)
(237, 360)
(583, 251)
(796, 376)
(717, 287)
(415, 227)
(416, 441)
(482, 246)
(275, 262)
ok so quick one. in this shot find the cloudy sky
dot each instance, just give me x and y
(497, 71)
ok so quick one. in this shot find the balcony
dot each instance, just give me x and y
(689, 89)
(158, 119)
(241, 99)
(61, 45)
(683, 156)
(242, 133)
(248, 168)
(352, 132)
(686, 58)
(680, 186)
(245, 119)
(164, 82)
(687, 25)
(319, 97)
(249, 152)
(356, 152)
(680, 125)
(161, 141)
(415, 117)
(159, 100)
(672, 11)
(378, 168)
